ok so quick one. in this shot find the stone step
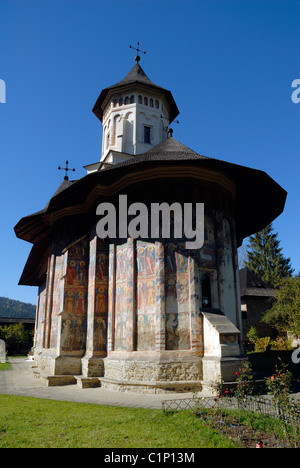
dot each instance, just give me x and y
(87, 382)
(55, 380)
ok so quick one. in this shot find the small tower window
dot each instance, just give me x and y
(206, 292)
(107, 141)
(121, 101)
(115, 103)
(145, 101)
(156, 103)
(140, 99)
(132, 99)
(151, 102)
(147, 134)
(126, 100)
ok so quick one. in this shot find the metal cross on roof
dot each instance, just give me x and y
(137, 57)
(66, 169)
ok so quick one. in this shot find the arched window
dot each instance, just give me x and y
(115, 102)
(147, 134)
(132, 99)
(206, 291)
(145, 101)
(121, 101)
(151, 102)
(156, 103)
(140, 99)
(126, 100)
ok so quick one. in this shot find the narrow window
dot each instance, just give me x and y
(206, 292)
(156, 103)
(107, 141)
(132, 99)
(121, 101)
(147, 134)
(126, 100)
(151, 102)
(145, 101)
(140, 99)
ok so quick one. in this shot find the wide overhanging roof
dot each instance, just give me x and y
(259, 199)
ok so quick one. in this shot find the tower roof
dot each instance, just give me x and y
(136, 76)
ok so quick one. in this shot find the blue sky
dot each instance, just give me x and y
(229, 65)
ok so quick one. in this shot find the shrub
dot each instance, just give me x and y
(282, 344)
(262, 343)
(18, 340)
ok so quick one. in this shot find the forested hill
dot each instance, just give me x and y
(15, 309)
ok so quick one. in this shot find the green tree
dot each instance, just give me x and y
(265, 257)
(17, 339)
(285, 312)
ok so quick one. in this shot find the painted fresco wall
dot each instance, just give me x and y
(146, 295)
(97, 307)
(40, 318)
(101, 297)
(57, 298)
(135, 296)
(123, 333)
(177, 296)
(74, 323)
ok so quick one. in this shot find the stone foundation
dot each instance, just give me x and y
(152, 387)
(145, 376)
(92, 367)
(216, 369)
(62, 365)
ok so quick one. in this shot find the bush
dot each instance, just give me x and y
(262, 344)
(282, 344)
(18, 340)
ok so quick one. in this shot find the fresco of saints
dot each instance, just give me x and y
(72, 272)
(140, 295)
(150, 295)
(150, 261)
(69, 302)
(101, 301)
(82, 272)
(80, 304)
(66, 335)
(101, 267)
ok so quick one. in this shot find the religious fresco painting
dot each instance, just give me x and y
(124, 297)
(177, 296)
(75, 298)
(101, 297)
(146, 295)
(58, 297)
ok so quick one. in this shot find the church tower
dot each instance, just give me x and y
(135, 114)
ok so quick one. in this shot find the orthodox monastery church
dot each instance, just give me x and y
(143, 314)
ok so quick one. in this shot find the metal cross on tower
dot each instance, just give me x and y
(66, 169)
(137, 57)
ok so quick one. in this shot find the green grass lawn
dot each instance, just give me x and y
(36, 423)
(5, 366)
